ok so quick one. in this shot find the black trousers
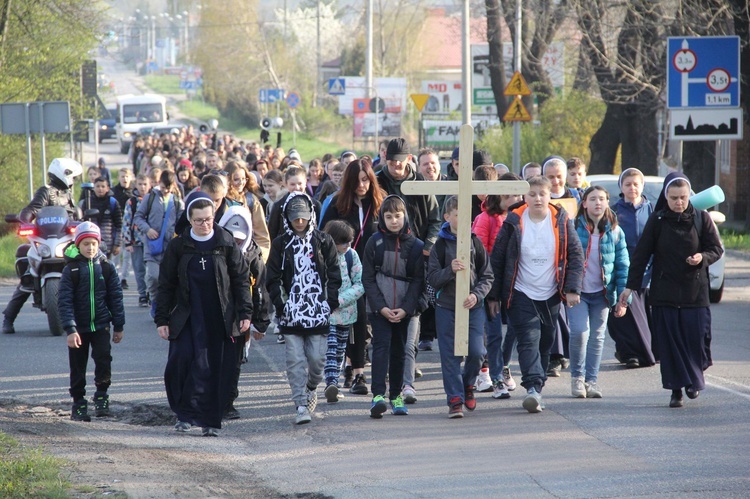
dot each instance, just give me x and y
(101, 352)
(16, 303)
(234, 391)
(355, 349)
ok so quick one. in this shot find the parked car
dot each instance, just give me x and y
(107, 122)
(652, 189)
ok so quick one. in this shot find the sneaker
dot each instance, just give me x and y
(409, 394)
(455, 408)
(484, 382)
(533, 401)
(499, 390)
(101, 405)
(425, 346)
(398, 408)
(332, 394)
(564, 363)
(593, 391)
(378, 407)
(280, 339)
(210, 432)
(312, 399)
(469, 401)
(124, 284)
(418, 373)
(508, 380)
(8, 327)
(80, 411)
(303, 415)
(578, 388)
(182, 426)
(143, 302)
(359, 387)
(348, 377)
(231, 413)
(553, 370)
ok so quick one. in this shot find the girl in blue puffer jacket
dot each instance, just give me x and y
(605, 274)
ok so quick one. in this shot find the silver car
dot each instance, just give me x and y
(652, 189)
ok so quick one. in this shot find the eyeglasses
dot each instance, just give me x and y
(203, 221)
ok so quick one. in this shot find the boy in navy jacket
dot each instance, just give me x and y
(90, 298)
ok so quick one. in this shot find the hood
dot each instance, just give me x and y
(410, 174)
(238, 219)
(661, 203)
(287, 224)
(445, 232)
(406, 229)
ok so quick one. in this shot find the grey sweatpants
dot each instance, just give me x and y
(305, 360)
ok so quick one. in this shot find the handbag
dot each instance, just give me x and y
(156, 246)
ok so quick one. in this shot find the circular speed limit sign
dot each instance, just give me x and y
(684, 60)
(718, 80)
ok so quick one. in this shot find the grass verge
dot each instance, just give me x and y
(29, 473)
(164, 84)
(735, 240)
(8, 245)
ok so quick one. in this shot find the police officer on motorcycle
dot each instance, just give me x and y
(61, 173)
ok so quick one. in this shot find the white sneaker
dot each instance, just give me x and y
(578, 388)
(499, 391)
(303, 415)
(409, 394)
(510, 383)
(533, 401)
(593, 391)
(484, 383)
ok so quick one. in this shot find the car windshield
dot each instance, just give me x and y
(142, 113)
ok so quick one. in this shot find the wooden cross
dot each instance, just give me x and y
(464, 187)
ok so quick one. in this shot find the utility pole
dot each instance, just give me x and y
(318, 83)
(368, 66)
(517, 67)
(466, 58)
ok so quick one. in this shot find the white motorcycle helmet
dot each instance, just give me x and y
(65, 169)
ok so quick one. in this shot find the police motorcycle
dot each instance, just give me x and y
(39, 263)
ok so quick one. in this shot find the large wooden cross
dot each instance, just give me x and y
(464, 187)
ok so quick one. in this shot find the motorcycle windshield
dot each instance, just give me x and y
(52, 221)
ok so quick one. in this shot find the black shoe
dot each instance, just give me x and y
(553, 370)
(124, 284)
(676, 400)
(143, 302)
(692, 394)
(231, 413)
(80, 411)
(101, 405)
(8, 327)
(359, 387)
(564, 363)
(632, 363)
(348, 377)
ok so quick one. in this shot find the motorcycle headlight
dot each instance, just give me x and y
(60, 250)
(44, 251)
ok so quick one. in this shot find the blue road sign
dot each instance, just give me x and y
(337, 86)
(270, 95)
(703, 72)
(292, 100)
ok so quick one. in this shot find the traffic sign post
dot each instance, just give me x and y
(292, 100)
(420, 100)
(337, 86)
(517, 112)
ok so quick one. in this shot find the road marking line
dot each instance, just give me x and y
(726, 389)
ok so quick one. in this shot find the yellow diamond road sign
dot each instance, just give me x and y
(517, 86)
(517, 111)
(420, 100)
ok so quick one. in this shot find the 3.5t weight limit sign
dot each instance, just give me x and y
(703, 71)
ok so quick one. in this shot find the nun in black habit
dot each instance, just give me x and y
(683, 242)
(204, 303)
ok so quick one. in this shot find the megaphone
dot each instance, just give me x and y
(212, 124)
(266, 123)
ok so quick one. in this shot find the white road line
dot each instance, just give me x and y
(726, 389)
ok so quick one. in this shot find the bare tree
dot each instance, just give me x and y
(4, 12)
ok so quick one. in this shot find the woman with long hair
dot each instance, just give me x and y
(357, 203)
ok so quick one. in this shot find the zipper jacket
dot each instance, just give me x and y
(613, 257)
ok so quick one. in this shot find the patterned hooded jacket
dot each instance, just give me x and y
(303, 276)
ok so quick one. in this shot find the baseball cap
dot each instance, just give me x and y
(87, 229)
(455, 153)
(298, 207)
(398, 149)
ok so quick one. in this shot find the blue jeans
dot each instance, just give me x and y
(495, 357)
(139, 270)
(534, 323)
(587, 320)
(454, 381)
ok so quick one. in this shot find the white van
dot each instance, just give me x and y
(137, 111)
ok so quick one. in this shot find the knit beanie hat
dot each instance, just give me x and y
(87, 229)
